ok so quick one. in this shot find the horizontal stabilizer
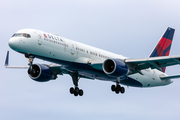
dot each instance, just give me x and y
(6, 64)
(18, 67)
(7, 59)
(170, 77)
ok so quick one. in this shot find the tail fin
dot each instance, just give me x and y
(164, 45)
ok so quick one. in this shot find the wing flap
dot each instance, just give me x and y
(152, 62)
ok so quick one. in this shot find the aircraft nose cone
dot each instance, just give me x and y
(14, 43)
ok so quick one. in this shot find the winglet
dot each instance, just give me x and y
(7, 59)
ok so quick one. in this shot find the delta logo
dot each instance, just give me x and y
(45, 35)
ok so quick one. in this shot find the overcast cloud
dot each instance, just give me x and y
(128, 27)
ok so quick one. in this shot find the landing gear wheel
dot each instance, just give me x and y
(76, 91)
(75, 77)
(71, 90)
(117, 89)
(31, 58)
(122, 90)
(75, 94)
(113, 88)
(80, 92)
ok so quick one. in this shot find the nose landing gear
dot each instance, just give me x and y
(31, 58)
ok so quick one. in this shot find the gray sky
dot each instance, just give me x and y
(131, 28)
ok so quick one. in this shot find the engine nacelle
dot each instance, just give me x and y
(40, 73)
(115, 68)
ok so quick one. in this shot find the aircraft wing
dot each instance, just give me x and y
(169, 77)
(136, 65)
(97, 65)
(56, 68)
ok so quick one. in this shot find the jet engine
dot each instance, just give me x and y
(115, 68)
(40, 73)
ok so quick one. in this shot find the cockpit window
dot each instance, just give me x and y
(21, 35)
(28, 35)
(13, 35)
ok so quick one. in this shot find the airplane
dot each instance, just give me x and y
(83, 61)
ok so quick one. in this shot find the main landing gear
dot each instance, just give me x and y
(117, 88)
(76, 91)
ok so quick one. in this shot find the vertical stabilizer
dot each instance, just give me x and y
(6, 63)
(164, 45)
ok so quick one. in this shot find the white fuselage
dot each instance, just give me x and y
(54, 47)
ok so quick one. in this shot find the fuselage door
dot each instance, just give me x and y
(72, 49)
(39, 38)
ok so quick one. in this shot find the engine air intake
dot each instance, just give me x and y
(115, 68)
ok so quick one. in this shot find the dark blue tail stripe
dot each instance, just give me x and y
(169, 33)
